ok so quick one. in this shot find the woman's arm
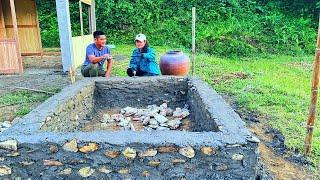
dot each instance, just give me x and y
(150, 55)
(133, 63)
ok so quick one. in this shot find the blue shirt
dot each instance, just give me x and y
(93, 50)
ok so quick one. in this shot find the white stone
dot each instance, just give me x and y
(107, 118)
(163, 128)
(153, 122)
(117, 117)
(9, 144)
(6, 124)
(161, 119)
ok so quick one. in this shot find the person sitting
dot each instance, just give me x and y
(143, 60)
(97, 54)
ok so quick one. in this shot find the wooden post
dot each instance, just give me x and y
(193, 40)
(81, 18)
(16, 34)
(64, 23)
(314, 98)
(93, 16)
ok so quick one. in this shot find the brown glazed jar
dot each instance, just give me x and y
(175, 62)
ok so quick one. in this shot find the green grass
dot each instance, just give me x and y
(276, 87)
(25, 100)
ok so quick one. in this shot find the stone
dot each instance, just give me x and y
(129, 111)
(253, 139)
(91, 147)
(164, 125)
(177, 112)
(169, 112)
(187, 152)
(153, 122)
(129, 153)
(163, 128)
(164, 106)
(221, 167)
(174, 124)
(153, 126)
(123, 171)
(146, 121)
(117, 117)
(1, 158)
(26, 163)
(6, 124)
(52, 163)
(145, 173)
(178, 161)
(112, 154)
(148, 153)
(161, 119)
(86, 172)
(154, 163)
(66, 171)
(5, 170)
(124, 122)
(104, 169)
(14, 154)
(71, 146)
(107, 118)
(132, 127)
(9, 145)
(237, 157)
(53, 148)
(208, 151)
(167, 149)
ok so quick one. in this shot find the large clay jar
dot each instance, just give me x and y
(174, 63)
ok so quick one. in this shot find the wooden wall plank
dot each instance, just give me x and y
(9, 57)
(16, 35)
(2, 24)
(80, 44)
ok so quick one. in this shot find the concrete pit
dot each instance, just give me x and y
(216, 144)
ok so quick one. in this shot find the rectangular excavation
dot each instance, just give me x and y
(209, 140)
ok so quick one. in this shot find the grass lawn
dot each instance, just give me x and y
(276, 87)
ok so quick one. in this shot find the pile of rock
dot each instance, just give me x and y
(5, 125)
(153, 117)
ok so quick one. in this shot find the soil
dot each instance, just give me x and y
(279, 161)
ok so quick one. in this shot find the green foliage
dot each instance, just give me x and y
(224, 27)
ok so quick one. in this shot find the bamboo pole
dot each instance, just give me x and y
(193, 40)
(314, 98)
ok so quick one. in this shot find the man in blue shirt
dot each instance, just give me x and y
(97, 54)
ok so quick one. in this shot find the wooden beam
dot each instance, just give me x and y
(3, 32)
(16, 34)
(65, 34)
(88, 2)
(38, 29)
(81, 18)
(93, 16)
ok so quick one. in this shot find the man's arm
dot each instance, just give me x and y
(95, 60)
(109, 67)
